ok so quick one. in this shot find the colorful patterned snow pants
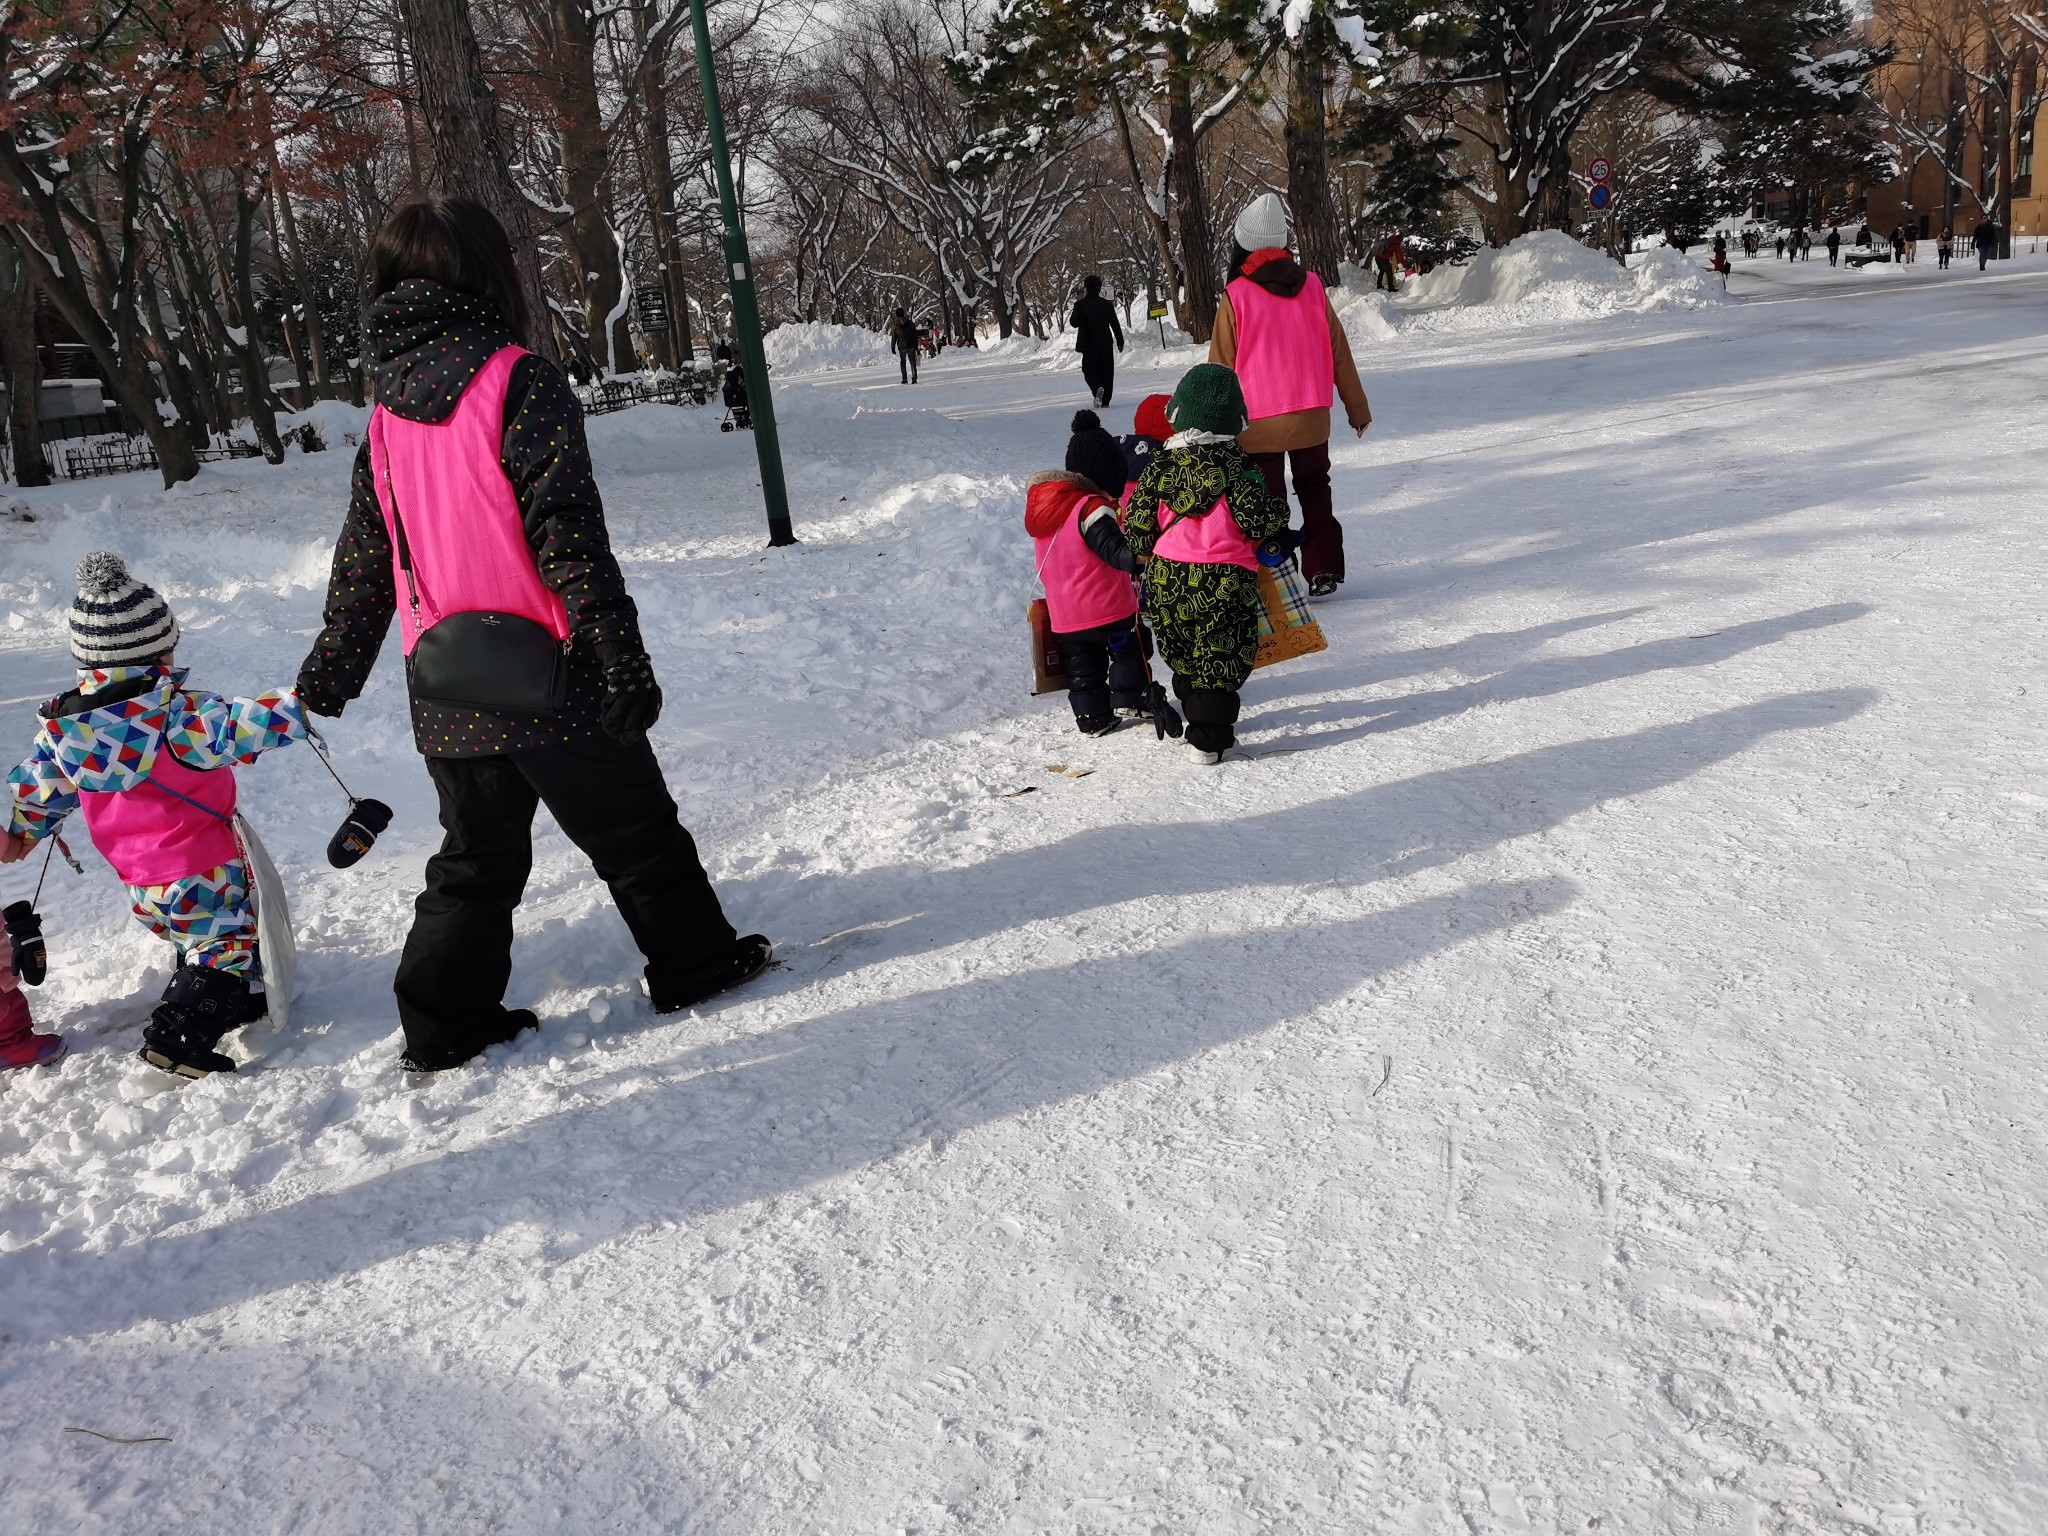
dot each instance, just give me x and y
(209, 917)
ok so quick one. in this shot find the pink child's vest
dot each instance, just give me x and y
(1214, 539)
(152, 837)
(1081, 592)
(1284, 359)
(462, 522)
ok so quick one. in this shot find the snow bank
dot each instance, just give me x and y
(1550, 276)
(815, 347)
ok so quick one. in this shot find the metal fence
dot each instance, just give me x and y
(83, 447)
(691, 388)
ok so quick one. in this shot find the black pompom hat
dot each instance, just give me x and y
(1095, 456)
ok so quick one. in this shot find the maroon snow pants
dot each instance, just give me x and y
(1322, 536)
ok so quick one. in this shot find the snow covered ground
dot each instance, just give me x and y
(1582, 1072)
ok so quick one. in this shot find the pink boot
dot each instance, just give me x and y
(20, 1045)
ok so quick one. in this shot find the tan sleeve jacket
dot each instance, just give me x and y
(1296, 429)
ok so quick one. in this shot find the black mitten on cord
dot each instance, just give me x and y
(632, 698)
(25, 937)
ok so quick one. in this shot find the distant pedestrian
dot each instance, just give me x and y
(1863, 237)
(1899, 244)
(1098, 338)
(1834, 247)
(1805, 245)
(1945, 246)
(903, 342)
(1912, 243)
(1985, 238)
(1721, 253)
(1780, 244)
(1387, 262)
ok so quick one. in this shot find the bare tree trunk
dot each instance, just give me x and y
(288, 225)
(579, 126)
(24, 370)
(1155, 221)
(1317, 232)
(470, 160)
(255, 366)
(1191, 210)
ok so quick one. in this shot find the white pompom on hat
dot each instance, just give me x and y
(116, 621)
(1263, 224)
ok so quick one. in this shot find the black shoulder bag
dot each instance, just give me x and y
(480, 660)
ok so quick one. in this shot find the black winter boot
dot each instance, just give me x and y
(749, 958)
(199, 1006)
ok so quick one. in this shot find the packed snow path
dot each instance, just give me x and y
(1582, 1072)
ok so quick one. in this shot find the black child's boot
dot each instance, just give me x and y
(199, 1006)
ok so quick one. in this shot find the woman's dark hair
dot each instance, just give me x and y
(1238, 257)
(456, 241)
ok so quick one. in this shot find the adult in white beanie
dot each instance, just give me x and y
(1276, 327)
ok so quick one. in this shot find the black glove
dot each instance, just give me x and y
(632, 698)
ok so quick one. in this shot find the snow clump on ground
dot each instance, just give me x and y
(813, 346)
(1549, 276)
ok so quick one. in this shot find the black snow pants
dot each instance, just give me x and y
(612, 802)
(1211, 715)
(1105, 671)
(906, 364)
(1098, 370)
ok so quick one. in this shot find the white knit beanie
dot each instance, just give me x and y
(116, 621)
(1263, 224)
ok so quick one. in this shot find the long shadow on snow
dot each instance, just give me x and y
(1540, 679)
(755, 1117)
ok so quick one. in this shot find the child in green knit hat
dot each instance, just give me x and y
(1199, 515)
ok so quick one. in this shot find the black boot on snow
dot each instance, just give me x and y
(199, 1006)
(749, 958)
(511, 1024)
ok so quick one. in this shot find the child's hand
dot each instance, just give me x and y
(13, 849)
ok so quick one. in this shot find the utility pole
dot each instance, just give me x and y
(746, 316)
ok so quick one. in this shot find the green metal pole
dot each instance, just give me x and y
(746, 315)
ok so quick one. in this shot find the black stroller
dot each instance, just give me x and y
(739, 417)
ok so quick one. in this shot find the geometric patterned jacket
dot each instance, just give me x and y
(151, 762)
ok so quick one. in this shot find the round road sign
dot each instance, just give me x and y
(1600, 197)
(1600, 169)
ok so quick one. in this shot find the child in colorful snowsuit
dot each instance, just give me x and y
(150, 764)
(1087, 569)
(1203, 519)
(20, 1045)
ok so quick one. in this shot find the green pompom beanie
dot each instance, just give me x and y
(1209, 400)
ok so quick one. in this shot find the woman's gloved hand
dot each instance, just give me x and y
(632, 698)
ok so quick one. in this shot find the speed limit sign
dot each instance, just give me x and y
(1600, 169)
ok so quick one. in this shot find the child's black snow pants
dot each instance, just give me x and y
(1105, 671)
(612, 802)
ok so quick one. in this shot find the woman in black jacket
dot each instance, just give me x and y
(448, 300)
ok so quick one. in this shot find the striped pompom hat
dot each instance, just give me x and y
(116, 621)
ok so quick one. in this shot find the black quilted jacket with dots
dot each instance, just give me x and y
(424, 341)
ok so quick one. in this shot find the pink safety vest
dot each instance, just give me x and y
(462, 522)
(153, 838)
(1212, 539)
(1081, 591)
(1284, 359)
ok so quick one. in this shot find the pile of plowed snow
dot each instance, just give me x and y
(1550, 276)
(812, 346)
